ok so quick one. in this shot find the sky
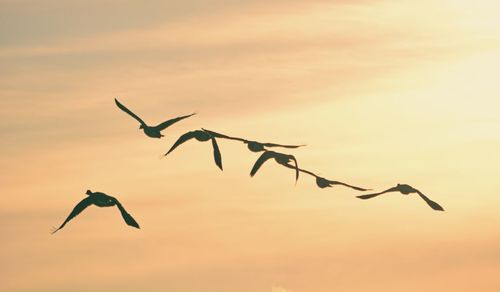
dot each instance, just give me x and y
(382, 92)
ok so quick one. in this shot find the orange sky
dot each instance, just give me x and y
(383, 92)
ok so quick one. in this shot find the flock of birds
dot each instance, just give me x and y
(287, 160)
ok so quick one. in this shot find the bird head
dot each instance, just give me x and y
(88, 192)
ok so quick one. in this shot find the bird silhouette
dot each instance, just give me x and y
(253, 146)
(322, 182)
(405, 190)
(101, 200)
(201, 136)
(280, 158)
(153, 132)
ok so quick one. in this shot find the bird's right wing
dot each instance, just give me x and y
(263, 158)
(219, 135)
(123, 108)
(77, 210)
(283, 146)
(300, 169)
(296, 168)
(348, 185)
(430, 202)
(126, 216)
(369, 196)
(170, 122)
(182, 139)
(217, 155)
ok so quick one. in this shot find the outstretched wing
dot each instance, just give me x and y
(219, 135)
(348, 185)
(296, 168)
(283, 146)
(217, 156)
(126, 216)
(430, 202)
(123, 108)
(369, 196)
(170, 122)
(300, 169)
(182, 139)
(263, 158)
(77, 210)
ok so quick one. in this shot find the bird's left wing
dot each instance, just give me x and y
(430, 202)
(170, 122)
(77, 210)
(123, 108)
(182, 139)
(263, 158)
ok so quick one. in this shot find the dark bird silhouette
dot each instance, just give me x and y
(280, 158)
(201, 136)
(100, 200)
(253, 146)
(405, 190)
(322, 182)
(153, 132)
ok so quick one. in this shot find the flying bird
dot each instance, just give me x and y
(322, 182)
(201, 136)
(253, 146)
(283, 159)
(101, 200)
(405, 190)
(155, 131)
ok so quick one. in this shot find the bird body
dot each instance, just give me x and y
(255, 146)
(151, 131)
(101, 200)
(280, 158)
(323, 183)
(201, 136)
(406, 190)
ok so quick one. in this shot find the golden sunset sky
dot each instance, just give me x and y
(382, 92)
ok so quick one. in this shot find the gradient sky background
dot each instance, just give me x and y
(383, 92)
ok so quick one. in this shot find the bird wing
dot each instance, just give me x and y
(280, 145)
(217, 156)
(369, 196)
(430, 202)
(170, 122)
(126, 216)
(263, 158)
(77, 210)
(347, 185)
(123, 108)
(300, 169)
(219, 135)
(182, 139)
(296, 168)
